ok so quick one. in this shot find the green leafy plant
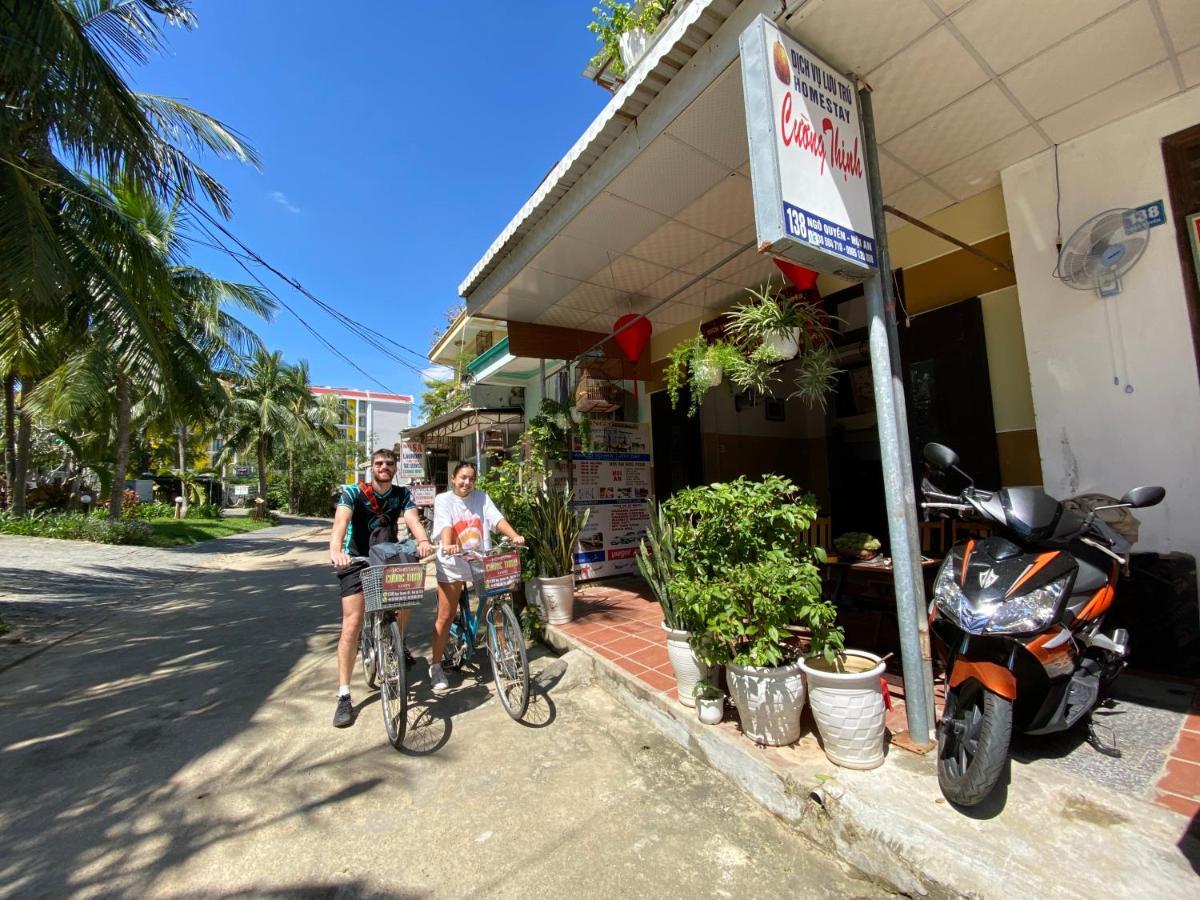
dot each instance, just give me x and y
(656, 562)
(702, 365)
(769, 313)
(744, 572)
(706, 690)
(611, 19)
(550, 432)
(512, 485)
(532, 625)
(816, 376)
(855, 542)
(554, 529)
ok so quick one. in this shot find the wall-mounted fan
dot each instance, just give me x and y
(1102, 250)
(1095, 258)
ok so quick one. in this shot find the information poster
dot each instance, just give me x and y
(403, 586)
(412, 460)
(612, 479)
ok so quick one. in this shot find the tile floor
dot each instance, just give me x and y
(617, 621)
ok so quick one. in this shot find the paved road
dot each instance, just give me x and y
(181, 747)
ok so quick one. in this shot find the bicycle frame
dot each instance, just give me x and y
(468, 621)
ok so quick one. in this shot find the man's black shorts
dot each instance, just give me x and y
(350, 579)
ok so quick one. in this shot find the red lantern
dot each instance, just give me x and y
(803, 279)
(633, 340)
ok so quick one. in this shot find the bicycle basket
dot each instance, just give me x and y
(393, 587)
(497, 574)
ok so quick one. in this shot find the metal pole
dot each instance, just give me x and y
(883, 258)
(902, 531)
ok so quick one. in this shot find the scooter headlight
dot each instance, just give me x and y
(1028, 612)
(947, 595)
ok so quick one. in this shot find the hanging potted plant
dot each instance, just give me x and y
(701, 366)
(656, 561)
(553, 532)
(623, 31)
(745, 574)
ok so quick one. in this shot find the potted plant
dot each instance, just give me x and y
(656, 561)
(856, 546)
(710, 702)
(845, 690)
(553, 532)
(775, 321)
(623, 31)
(745, 574)
(702, 365)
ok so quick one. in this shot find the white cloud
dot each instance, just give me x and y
(436, 373)
(281, 198)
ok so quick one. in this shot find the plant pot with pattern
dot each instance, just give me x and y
(846, 696)
(554, 528)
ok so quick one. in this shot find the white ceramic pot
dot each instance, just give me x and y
(710, 710)
(848, 707)
(557, 598)
(689, 670)
(769, 701)
(786, 344)
(633, 44)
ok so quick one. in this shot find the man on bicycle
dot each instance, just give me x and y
(367, 514)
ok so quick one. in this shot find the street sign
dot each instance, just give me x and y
(807, 161)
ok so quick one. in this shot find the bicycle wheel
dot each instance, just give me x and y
(366, 649)
(393, 683)
(510, 667)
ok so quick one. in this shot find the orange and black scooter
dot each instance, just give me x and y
(1018, 617)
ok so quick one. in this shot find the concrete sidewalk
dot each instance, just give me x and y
(1045, 833)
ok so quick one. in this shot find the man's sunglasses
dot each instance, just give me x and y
(384, 463)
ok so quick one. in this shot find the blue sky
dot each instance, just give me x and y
(397, 139)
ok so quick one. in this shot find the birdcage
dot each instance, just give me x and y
(598, 388)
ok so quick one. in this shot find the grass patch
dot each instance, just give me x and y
(179, 532)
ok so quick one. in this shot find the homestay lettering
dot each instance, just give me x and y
(821, 88)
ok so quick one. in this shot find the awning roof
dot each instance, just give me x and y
(657, 189)
(464, 421)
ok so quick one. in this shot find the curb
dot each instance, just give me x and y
(892, 825)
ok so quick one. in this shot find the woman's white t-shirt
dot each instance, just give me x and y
(471, 519)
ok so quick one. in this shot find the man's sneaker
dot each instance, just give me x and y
(437, 679)
(345, 712)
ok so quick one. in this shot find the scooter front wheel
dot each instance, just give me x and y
(973, 742)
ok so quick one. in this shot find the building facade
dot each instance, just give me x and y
(371, 420)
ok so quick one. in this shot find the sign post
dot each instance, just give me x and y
(818, 202)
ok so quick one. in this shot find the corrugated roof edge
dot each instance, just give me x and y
(640, 85)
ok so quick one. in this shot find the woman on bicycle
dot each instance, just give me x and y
(463, 519)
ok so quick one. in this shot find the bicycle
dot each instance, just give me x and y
(498, 570)
(387, 589)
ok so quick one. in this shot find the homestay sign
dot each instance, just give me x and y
(807, 162)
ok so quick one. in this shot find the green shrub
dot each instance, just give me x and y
(76, 527)
(854, 541)
(744, 573)
(206, 511)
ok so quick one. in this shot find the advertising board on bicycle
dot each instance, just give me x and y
(501, 572)
(403, 585)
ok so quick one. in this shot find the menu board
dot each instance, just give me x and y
(611, 477)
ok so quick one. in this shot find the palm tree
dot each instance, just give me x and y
(263, 400)
(172, 376)
(65, 250)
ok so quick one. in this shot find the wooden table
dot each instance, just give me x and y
(877, 570)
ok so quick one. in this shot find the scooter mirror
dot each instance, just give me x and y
(941, 456)
(1141, 497)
